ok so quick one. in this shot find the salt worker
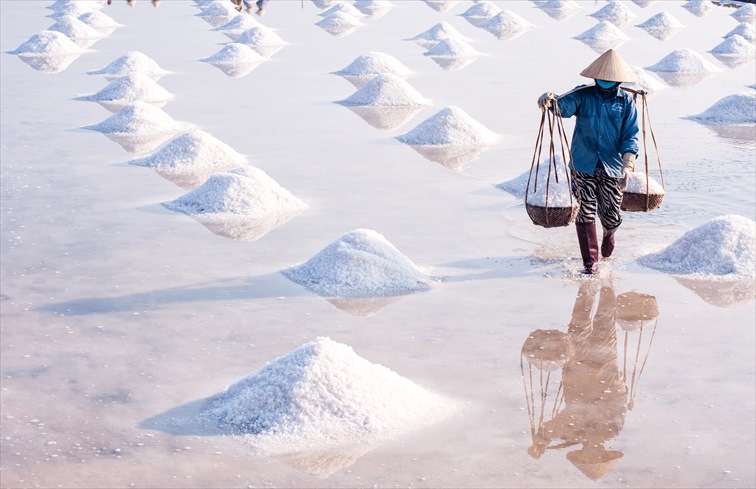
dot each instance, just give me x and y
(604, 148)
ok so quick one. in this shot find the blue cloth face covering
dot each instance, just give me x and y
(605, 84)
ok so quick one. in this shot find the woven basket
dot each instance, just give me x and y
(552, 217)
(633, 202)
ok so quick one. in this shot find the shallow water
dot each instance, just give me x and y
(115, 310)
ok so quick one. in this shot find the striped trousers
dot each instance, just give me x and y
(601, 193)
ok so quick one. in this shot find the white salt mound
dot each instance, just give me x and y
(193, 150)
(646, 81)
(725, 245)
(450, 126)
(131, 88)
(452, 48)
(99, 21)
(735, 46)
(234, 53)
(74, 28)
(438, 32)
(613, 12)
(48, 43)
(698, 7)
(559, 5)
(361, 263)
(219, 9)
(506, 22)
(746, 13)
(339, 21)
(260, 36)
(637, 184)
(345, 8)
(603, 31)
(558, 191)
(131, 62)
(660, 22)
(73, 8)
(481, 10)
(733, 109)
(374, 63)
(137, 118)
(370, 7)
(242, 192)
(237, 25)
(386, 90)
(746, 30)
(324, 393)
(684, 61)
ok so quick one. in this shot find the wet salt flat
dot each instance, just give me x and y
(370, 286)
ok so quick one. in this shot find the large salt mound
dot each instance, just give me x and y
(323, 393)
(735, 46)
(246, 192)
(506, 25)
(745, 30)
(452, 48)
(131, 62)
(260, 36)
(603, 31)
(481, 10)
(47, 43)
(361, 263)
(450, 126)
(134, 87)
(339, 24)
(558, 191)
(439, 32)
(138, 118)
(237, 25)
(374, 63)
(74, 28)
(99, 21)
(193, 150)
(345, 8)
(746, 13)
(684, 61)
(725, 245)
(386, 90)
(235, 53)
(733, 109)
(699, 8)
(615, 12)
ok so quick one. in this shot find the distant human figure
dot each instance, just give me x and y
(155, 3)
(260, 4)
(131, 2)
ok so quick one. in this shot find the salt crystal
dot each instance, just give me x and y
(733, 109)
(450, 126)
(131, 62)
(48, 43)
(662, 26)
(193, 150)
(549, 186)
(386, 90)
(684, 61)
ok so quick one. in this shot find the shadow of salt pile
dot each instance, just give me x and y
(450, 137)
(235, 60)
(241, 204)
(134, 87)
(360, 273)
(318, 409)
(48, 51)
(131, 62)
(367, 66)
(716, 260)
(683, 68)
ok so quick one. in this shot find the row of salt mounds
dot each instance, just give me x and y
(662, 26)
(745, 30)
(191, 157)
(733, 109)
(76, 30)
(361, 263)
(725, 245)
(386, 90)
(615, 12)
(131, 62)
(602, 36)
(323, 395)
(48, 52)
(436, 34)
(558, 189)
(559, 9)
(234, 27)
(370, 64)
(262, 39)
(134, 87)
(340, 24)
(699, 8)
(506, 25)
(746, 13)
(218, 13)
(235, 59)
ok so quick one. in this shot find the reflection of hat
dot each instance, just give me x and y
(547, 349)
(634, 308)
(594, 465)
(610, 67)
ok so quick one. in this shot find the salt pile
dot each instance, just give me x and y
(646, 81)
(481, 10)
(260, 36)
(746, 13)
(452, 48)
(131, 62)
(371, 64)
(722, 246)
(603, 31)
(450, 126)
(437, 33)
(235, 53)
(193, 150)
(138, 118)
(662, 25)
(636, 184)
(127, 89)
(698, 8)
(386, 90)
(237, 25)
(506, 25)
(64, 4)
(218, 13)
(735, 46)
(345, 8)
(245, 192)
(72, 8)
(48, 43)
(733, 109)
(99, 21)
(644, 3)
(323, 393)
(441, 5)
(361, 263)
(339, 24)
(683, 61)
(373, 8)
(74, 28)
(559, 9)
(519, 185)
(615, 12)
(744, 30)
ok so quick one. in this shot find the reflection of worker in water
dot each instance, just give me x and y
(594, 389)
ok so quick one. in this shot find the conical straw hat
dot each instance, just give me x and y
(610, 67)
(594, 467)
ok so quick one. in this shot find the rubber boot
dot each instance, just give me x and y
(589, 249)
(607, 243)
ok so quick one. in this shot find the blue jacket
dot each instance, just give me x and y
(606, 127)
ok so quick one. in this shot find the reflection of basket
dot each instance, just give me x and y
(632, 202)
(551, 217)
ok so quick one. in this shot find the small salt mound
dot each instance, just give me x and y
(684, 61)
(323, 393)
(644, 3)
(559, 5)
(441, 5)
(137, 118)
(59, 4)
(235, 53)
(260, 36)
(636, 184)
(438, 32)
(246, 192)
(339, 23)
(735, 46)
(699, 8)
(452, 126)
(361, 263)
(131, 62)
(74, 28)
(733, 109)
(48, 43)
(345, 8)
(452, 48)
(746, 13)
(218, 13)
(193, 150)
(615, 12)
(73, 8)
(745, 30)
(721, 246)
(99, 21)
(234, 27)
(646, 81)
(603, 31)
(373, 7)
(481, 10)
(662, 25)
(374, 63)
(130, 88)
(386, 90)
(506, 25)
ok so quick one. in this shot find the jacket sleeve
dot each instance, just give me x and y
(569, 102)
(630, 130)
